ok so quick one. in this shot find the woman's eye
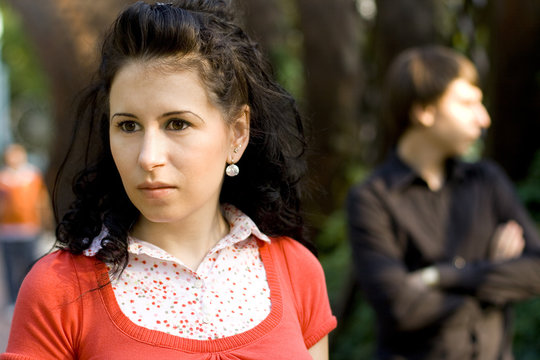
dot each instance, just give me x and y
(177, 124)
(128, 126)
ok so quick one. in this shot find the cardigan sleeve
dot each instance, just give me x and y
(309, 289)
(47, 312)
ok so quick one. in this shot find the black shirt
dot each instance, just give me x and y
(398, 225)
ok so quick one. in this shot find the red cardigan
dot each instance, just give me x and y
(67, 310)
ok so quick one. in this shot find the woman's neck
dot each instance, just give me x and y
(190, 239)
(427, 160)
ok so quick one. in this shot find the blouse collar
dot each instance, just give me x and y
(241, 228)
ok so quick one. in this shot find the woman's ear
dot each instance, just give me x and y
(239, 134)
(422, 115)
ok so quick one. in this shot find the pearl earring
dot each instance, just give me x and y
(233, 170)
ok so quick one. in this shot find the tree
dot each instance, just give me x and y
(264, 21)
(333, 79)
(65, 34)
(514, 84)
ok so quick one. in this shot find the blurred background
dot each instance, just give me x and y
(331, 55)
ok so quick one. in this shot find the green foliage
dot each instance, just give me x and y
(286, 58)
(30, 98)
(527, 322)
(26, 77)
(336, 263)
(527, 327)
(289, 67)
(354, 338)
(529, 189)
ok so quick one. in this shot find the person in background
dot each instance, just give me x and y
(185, 239)
(442, 247)
(24, 212)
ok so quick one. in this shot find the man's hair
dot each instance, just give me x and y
(197, 35)
(419, 75)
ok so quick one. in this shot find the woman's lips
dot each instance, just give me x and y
(156, 190)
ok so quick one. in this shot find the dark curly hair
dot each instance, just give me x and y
(200, 35)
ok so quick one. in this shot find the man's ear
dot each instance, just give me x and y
(422, 115)
(240, 133)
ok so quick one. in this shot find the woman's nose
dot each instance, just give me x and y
(153, 150)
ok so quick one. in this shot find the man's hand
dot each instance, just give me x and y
(424, 278)
(507, 242)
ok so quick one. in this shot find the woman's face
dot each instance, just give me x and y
(169, 142)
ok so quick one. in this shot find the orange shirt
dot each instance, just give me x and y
(76, 315)
(21, 197)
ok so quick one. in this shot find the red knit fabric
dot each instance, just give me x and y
(67, 310)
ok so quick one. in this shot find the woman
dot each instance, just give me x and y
(160, 255)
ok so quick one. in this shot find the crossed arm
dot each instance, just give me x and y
(507, 243)
(412, 300)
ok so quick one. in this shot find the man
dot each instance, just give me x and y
(24, 209)
(441, 247)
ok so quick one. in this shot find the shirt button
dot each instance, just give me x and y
(198, 284)
(459, 262)
(206, 319)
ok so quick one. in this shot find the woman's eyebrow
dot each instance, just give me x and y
(170, 113)
(182, 112)
(124, 114)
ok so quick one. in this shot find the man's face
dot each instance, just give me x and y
(459, 118)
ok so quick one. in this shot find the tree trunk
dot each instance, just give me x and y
(514, 84)
(333, 85)
(264, 21)
(401, 24)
